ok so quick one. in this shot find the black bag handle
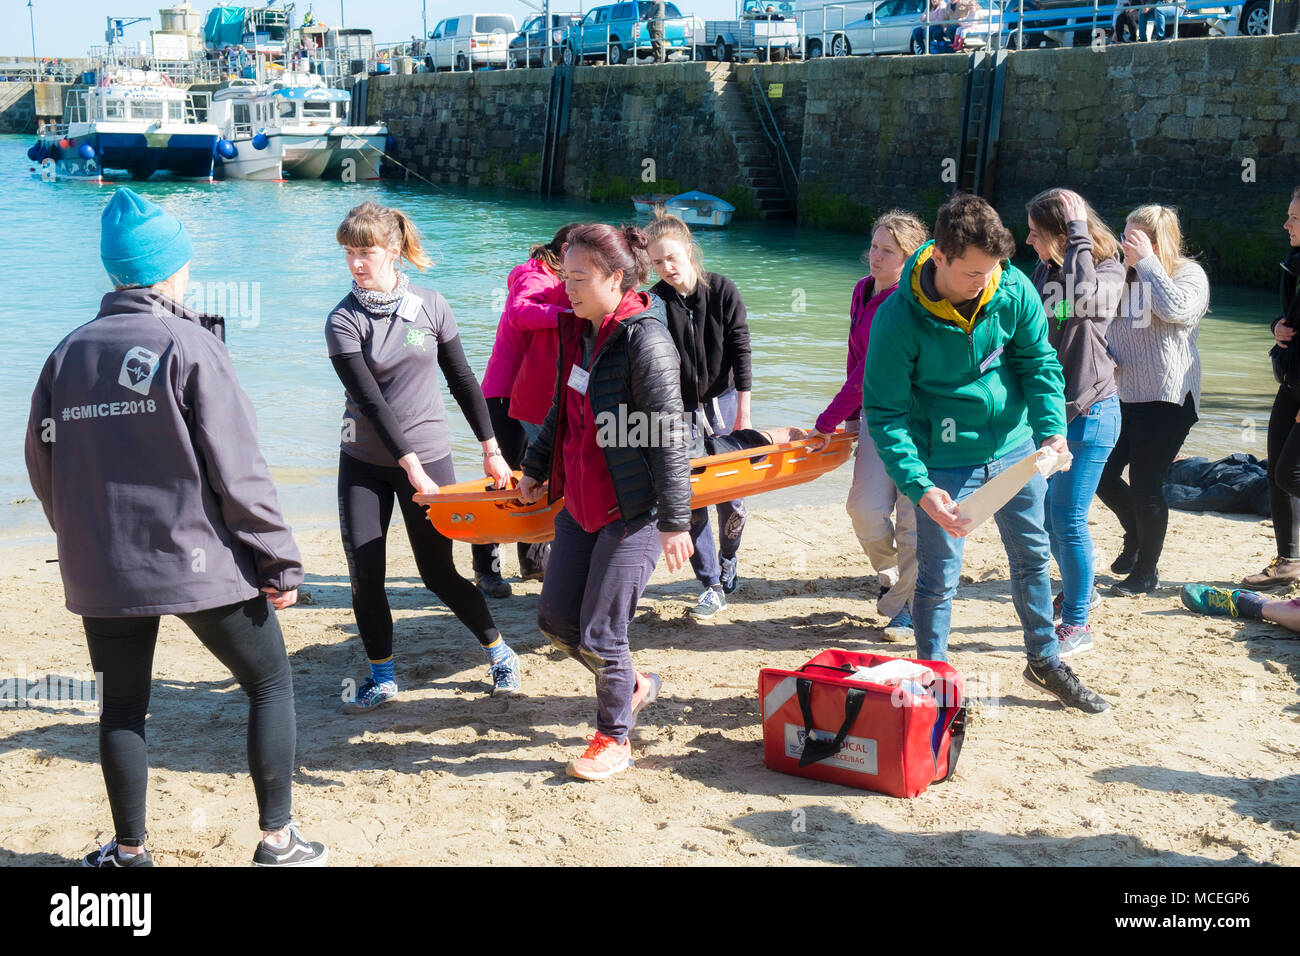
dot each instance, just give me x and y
(957, 729)
(814, 750)
(840, 668)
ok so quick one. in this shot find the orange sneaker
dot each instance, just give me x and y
(603, 758)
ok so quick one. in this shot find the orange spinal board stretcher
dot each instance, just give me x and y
(477, 513)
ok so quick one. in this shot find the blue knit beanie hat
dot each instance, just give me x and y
(141, 243)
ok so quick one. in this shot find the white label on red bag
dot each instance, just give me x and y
(856, 753)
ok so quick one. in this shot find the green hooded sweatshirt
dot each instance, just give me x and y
(942, 392)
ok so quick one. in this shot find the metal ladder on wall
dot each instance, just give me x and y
(557, 129)
(986, 76)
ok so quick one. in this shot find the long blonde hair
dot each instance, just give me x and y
(908, 231)
(1048, 214)
(667, 226)
(1161, 223)
(371, 224)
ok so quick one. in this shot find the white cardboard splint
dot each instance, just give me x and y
(1001, 488)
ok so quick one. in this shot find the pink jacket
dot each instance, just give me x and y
(848, 401)
(534, 305)
(531, 305)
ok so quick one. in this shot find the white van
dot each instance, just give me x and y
(470, 41)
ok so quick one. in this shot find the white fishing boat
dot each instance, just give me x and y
(645, 205)
(700, 209)
(132, 121)
(245, 113)
(318, 142)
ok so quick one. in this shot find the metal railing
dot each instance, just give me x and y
(767, 122)
(1007, 24)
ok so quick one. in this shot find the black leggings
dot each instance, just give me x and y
(1284, 472)
(513, 442)
(365, 507)
(1149, 437)
(246, 638)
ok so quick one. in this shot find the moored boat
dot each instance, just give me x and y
(645, 205)
(700, 209)
(244, 112)
(132, 121)
(318, 143)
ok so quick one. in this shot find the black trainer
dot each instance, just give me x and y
(298, 852)
(1139, 582)
(492, 584)
(108, 856)
(1062, 684)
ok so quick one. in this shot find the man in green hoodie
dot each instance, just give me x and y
(960, 385)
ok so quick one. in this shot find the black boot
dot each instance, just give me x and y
(487, 571)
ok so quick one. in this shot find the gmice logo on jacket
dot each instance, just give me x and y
(138, 370)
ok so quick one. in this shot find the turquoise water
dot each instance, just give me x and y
(279, 239)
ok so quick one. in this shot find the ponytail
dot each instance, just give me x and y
(371, 224)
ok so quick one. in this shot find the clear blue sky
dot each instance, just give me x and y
(70, 27)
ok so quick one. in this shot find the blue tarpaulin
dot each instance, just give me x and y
(225, 27)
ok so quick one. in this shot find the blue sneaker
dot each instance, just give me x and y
(505, 676)
(371, 695)
(1205, 599)
(900, 627)
(729, 579)
(1073, 638)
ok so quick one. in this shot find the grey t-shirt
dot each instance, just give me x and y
(402, 354)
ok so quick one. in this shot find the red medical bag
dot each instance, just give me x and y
(895, 738)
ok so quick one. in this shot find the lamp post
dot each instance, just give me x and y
(342, 22)
(31, 14)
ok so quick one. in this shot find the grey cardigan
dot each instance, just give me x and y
(142, 448)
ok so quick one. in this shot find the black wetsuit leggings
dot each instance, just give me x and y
(366, 495)
(1284, 472)
(1150, 435)
(246, 638)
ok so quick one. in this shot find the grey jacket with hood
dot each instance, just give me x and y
(142, 448)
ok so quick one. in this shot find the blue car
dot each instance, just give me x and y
(612, 31)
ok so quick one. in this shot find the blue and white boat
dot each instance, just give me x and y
(318, 143)
(132, 121)
(244, 111)
(700, 209)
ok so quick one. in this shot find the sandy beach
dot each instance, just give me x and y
(1194, 764)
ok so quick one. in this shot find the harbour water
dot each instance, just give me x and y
(268, 251)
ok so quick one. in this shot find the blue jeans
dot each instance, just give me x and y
(1069, 497)
(1152, 13)
(721, 413)
(938, 555)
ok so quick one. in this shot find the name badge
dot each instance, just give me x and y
(409, 307)
(992, 357)
(578, 380)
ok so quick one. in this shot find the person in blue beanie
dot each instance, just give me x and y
(142, 449)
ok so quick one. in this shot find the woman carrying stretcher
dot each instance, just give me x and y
(624, 500)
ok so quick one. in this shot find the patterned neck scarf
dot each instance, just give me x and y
(382, 304)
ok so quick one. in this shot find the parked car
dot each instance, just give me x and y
(898, 26)
(1051, 23)
(469, 42)
(767, 29)
(530, 43)
(611, 31)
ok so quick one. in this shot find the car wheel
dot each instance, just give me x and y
(512, 61)
(462, 63)
(1254, 19)
(839, 45)
(720, 51)
(616, 55)
(917, 46)
(570, 58)
(814, 49)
